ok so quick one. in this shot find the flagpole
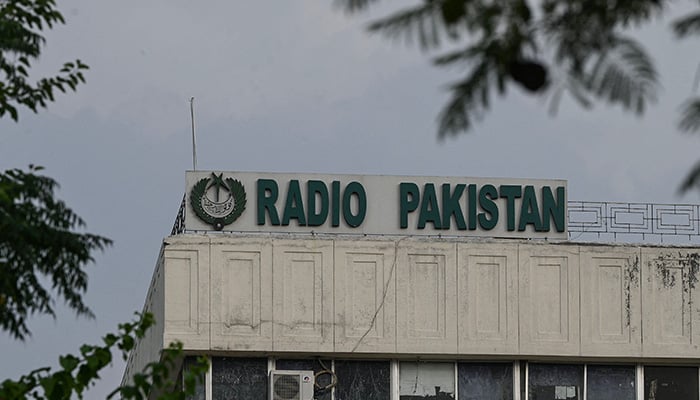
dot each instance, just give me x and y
(194, 142)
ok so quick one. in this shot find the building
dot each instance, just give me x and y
(421, 288)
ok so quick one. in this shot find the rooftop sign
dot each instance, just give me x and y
(374, 204)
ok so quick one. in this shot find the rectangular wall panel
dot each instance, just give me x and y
(241, 297)
(487, 297)
(365, 274)
(670, 322)
(427, 298)
(610, 301)
(549, 300)
(303, 295)
(186, 291)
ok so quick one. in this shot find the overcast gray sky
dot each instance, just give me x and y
(290, 87)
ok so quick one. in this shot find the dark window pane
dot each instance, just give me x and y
(363, 380)
(311, 365)
(485, 381)
(555, 381)
(426, 381)
(199, 389)
(670, 383)
(239, 378)
(523, 379)
(608, 382)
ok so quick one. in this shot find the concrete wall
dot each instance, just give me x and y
(433, 297)
(148, 348)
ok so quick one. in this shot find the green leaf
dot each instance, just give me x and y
(68, 362)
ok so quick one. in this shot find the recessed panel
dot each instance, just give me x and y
(302, 301)
(549, 300)
(610, 301)
(241, 297)
(365, 272)
(241, 294)
(427, 298)
(186, 294)
(181, 281)
(670, 314)
(303, 295)
(487, 292)
(426, 304)
(364, 295)
(611, 315)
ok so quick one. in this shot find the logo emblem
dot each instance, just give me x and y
(216, 211)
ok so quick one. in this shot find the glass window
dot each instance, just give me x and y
(610, 382)
(199, 389)
(363, 380)
(670, 383)
(239, 378)
(426, 380)
(485, 381)
(555, 382)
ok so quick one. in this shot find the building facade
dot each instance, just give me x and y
(433, 316)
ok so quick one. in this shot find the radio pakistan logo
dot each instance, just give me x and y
(227, 204)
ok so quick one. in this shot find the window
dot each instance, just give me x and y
(555, 382)
(426, 381)
(239, 378)
(199, 389)
(363, 380)
(670, 383)
(485, 381)
(608, 382)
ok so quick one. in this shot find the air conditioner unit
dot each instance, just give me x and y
(291, 385)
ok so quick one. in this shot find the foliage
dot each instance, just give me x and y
(78, 372)
(548, 46)
(21, 24)
(582, 47)
(39, 246)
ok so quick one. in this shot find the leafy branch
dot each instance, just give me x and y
(77, 373)
(21, 24)
(522, 42)
(39, 237)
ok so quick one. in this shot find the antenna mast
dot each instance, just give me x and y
(194, 142)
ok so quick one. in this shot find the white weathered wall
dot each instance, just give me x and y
(437, 297)
(148, 348)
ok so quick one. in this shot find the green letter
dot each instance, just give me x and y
(529, 211)
(450, 206)
(267, 203)
(510, 193)
(471, 205)
(335, 206)
(314, 188)
(552, 208)
(486, 196)
(405, 205)
(429, 210)
(354, 188)
(294, 206)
